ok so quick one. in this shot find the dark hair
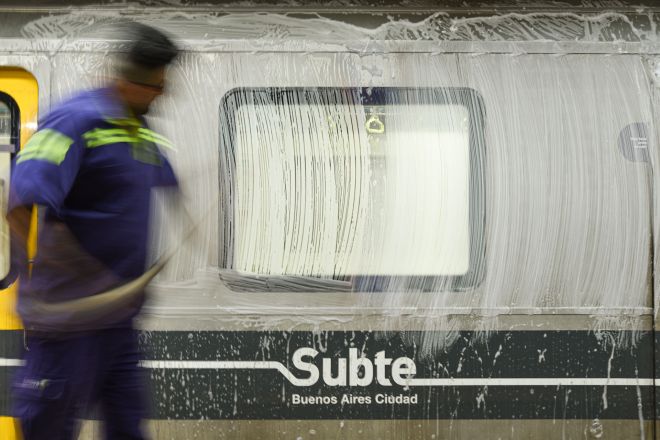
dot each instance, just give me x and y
(148, 48)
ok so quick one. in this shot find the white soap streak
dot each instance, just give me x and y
(298, 168)
(567, 215)
(640, 409)
(313, 199)
(7, 120)
(608, 338)
(568, 221)
(566, 211)
(271, 28)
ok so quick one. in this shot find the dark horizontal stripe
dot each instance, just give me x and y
(251, 396)
(500, 354)
(224, 395)
(266, 394)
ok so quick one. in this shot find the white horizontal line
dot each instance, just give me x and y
(412, 382)
(212, 365)
(546, 381)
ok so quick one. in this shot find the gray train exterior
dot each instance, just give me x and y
(553, 336)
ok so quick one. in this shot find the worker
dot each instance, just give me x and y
(88, 172)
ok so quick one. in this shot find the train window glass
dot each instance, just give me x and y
(354, 184)
(5, 124)
(9, 138)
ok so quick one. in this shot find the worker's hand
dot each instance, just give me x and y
(19, 220)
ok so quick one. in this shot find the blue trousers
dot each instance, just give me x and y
(63, 378)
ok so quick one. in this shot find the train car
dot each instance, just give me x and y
(413, 220)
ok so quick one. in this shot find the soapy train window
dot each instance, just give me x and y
(9, 140)
(359, 189)
(6, 119)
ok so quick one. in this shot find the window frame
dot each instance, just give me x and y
(15, 112)
(15, 141)
(367, 97)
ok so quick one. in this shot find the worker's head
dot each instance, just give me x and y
(140, 75)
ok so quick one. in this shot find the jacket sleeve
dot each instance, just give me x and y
(166, 176)
(45, 169)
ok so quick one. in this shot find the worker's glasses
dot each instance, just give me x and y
(154, 87)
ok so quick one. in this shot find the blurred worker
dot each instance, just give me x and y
(89, 172)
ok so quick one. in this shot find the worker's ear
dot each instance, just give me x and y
(122, 86)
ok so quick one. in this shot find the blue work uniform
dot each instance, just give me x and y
(91, 168)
